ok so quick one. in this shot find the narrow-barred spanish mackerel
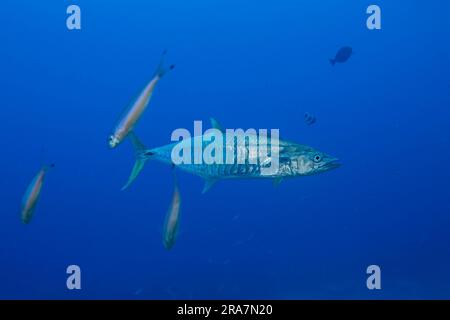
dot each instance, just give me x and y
(134, 112)
(293, 160)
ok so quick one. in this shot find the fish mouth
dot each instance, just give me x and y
(333, 164)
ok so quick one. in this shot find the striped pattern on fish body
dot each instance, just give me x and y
(197, 145)
(293, 158)
(259, 157)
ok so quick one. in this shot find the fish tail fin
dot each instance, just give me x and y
(141, 154)
(333, 62)
(162, 69)
(47, 167)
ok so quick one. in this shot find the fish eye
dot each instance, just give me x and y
(317, 158)
(112, 141)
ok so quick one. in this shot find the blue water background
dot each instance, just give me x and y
(250, 64)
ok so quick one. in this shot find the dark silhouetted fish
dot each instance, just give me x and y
(342, 55)
(310, 119)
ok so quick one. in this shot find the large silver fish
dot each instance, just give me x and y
(293, 159)
(32, 194)
(134, 112)
(172, 218)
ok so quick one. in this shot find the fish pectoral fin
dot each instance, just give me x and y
(277, 181)
(208, 184)
(216, 125)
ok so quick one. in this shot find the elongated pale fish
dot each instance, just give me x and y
(32, 194)
(172, 218)
(134, 112)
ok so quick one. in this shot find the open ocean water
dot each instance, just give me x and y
(385, 114)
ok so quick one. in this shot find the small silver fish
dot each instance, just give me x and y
(134, 112)
(172, 218)
(32, 194)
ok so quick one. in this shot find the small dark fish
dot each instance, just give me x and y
(310, 119)
(342, 55)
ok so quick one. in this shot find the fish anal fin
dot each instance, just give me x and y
(208, 185)
(277, 181)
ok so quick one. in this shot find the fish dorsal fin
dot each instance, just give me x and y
(208, 184)
(277, 181)
(216, 125)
